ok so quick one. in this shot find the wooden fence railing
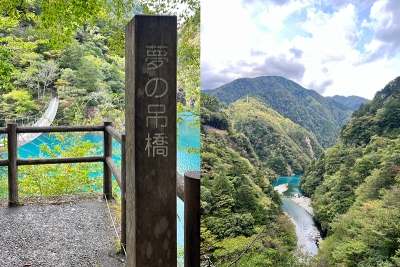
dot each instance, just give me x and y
(188, 186)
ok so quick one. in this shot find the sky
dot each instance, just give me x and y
(335, 47)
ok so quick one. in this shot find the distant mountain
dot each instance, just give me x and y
(321, 116)
(282, 145)
(353, 102)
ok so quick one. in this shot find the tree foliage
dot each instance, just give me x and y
(6, 68)
(59, 179)
(18, 102)
(59, 20)
(280, 144)
(239, 205)
(76, 49)
(355, 187)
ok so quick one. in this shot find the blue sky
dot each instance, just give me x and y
(343, 47)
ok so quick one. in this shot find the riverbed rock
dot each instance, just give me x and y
(281, 188)
(303, 202)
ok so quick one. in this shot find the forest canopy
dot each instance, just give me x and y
(76, 48)
(355, 187)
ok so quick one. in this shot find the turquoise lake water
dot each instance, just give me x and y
(189, 137)
(293, 181)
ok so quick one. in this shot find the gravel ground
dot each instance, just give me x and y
(61, 231)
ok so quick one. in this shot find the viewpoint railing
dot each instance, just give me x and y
(188, 186)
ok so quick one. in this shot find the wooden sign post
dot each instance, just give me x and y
(151, 141)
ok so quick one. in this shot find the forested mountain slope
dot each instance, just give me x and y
(282, 145)
(319, 115)
(355, 187)
(239, 205)
(353, 102)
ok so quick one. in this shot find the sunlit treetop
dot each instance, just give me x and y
(58, 20)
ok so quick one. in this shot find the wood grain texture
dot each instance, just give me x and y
(192, 219)
(151, 141)
(12, 165)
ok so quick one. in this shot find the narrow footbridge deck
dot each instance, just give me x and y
(62, 231)
(45, 120)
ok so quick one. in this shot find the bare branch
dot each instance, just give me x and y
(247, 248)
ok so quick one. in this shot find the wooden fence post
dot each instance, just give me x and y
(192, 219)
(12, 165)
(123, 199)
(107, 178)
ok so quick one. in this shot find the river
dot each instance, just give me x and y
(306, 229)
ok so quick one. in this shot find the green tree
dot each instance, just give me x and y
(72, 55)
(245, 199)
(211, 103)
(222, 186)
(61, 19)
(88, 74)
(6, 68)
(18, 102)
(231, 225)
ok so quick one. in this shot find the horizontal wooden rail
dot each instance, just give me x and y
(117, 135)
(190, 197)
(59, 129)
(39, 161)
(59, 160)
(114, 171)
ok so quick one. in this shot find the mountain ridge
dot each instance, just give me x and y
(353, 101)
(322, 116)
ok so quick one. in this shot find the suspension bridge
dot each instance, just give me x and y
(45, 120)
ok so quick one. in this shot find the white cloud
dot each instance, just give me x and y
(327, 60)
(333, 34)
(384, 21)
(225, 31)
(272, 16)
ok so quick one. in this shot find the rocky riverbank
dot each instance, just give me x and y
(303, 202)
(281, 188)
(298, 209)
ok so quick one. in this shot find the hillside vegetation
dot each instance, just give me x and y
(240, 209)
(355, 187)
(282, 145)
(83, 63)
(319, 115)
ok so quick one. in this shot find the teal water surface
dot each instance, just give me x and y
(294, 184)
(189, 137)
